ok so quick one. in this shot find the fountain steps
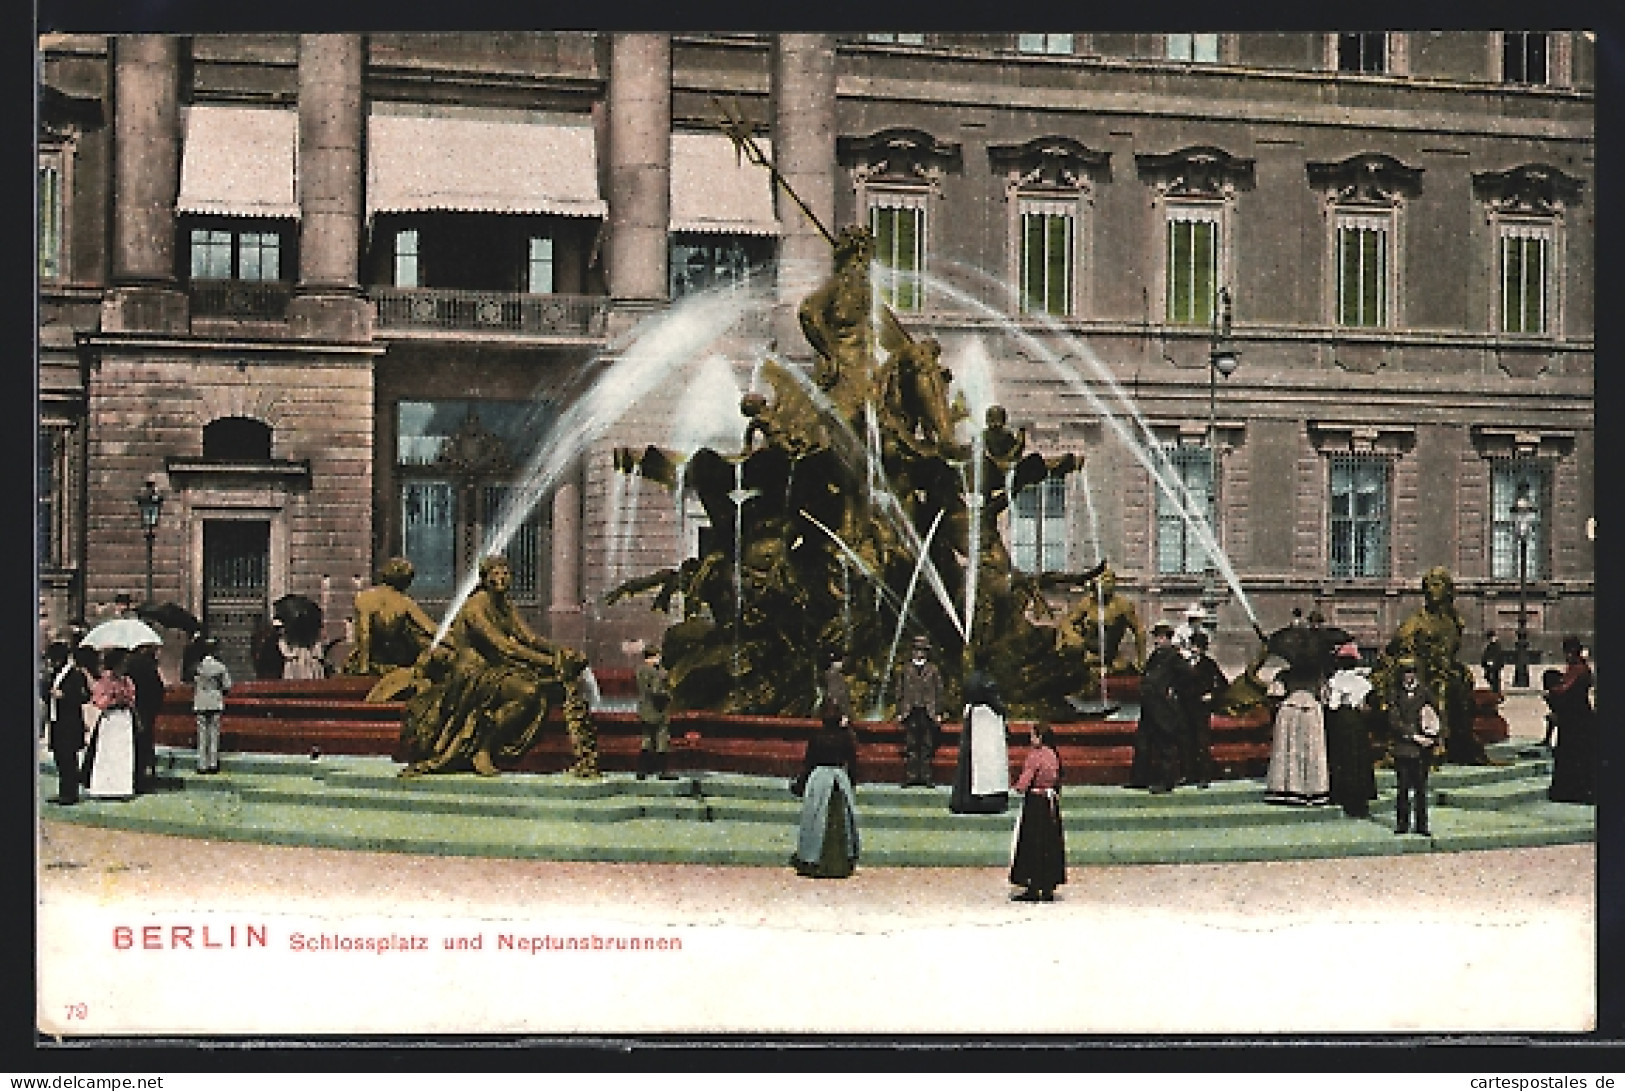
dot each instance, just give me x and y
(358, 803)
(331, 716)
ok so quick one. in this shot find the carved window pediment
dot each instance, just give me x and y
(1493, 441)
(1201, 171)
(899, 155)
(1367, 179)
(1338, 437)
(1056, 163)
(1532, 189)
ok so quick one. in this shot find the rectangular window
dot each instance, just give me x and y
(228, 253)
(429, 535)
(1362, 271)
(1193, 47)
(699, 261)
(406, 259)
(1060, 44)
(1364, 52)
(898, 223)
(1511, 478)
(1038, 527)
(1193, 266)
(47, 484)
(1048, 256)
(1179, 542)
(50, 221)
(1524, 56)
(884, 37)
(259, 256)
(539, 270)
(211, 254)
(1525, 253)
(1359, 515)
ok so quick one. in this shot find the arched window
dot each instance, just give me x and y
(237, 439)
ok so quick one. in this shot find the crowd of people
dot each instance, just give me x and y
(1330, 721)
(101, 705)
(1331, 725)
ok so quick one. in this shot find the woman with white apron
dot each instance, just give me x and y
(110, 757)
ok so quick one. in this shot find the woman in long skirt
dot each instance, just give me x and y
(827, 835)
(1299, 773)
(110, 757)
(1038, 862)
(1348, 735)
(1574, 758)
(982, 776)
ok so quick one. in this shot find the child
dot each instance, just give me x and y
(210, 684)
(1415, 724)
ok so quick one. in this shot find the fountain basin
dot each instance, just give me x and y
(332, 716)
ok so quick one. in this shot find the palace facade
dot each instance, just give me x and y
(332, 295)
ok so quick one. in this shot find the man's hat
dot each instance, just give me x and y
(1199, 638)
(1162, 627)
(1407, 664)
(922, 643)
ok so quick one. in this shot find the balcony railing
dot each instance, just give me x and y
(464, 311)
(241, 298)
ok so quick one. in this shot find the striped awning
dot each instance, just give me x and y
(442, 160)
(239, 161)
(713, 190)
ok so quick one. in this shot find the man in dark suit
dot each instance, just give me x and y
(1494, 661)
(1160, 715)
(919, 704)
(149, 701)
(70, 692)
(1201, 680)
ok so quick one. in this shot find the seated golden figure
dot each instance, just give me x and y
(391, 629)
(484, 693)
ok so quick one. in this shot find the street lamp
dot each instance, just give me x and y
(149, 502)
(1524, 515)
(1222, 359)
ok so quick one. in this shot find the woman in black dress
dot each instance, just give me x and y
(1574, 759)
(827, 837)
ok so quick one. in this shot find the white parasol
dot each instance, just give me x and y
(122, 632)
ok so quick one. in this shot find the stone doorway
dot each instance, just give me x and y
(236, 563)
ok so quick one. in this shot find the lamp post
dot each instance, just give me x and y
(1523, 525)
(1221, 360)
(149, 502)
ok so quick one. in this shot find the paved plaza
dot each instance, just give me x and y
(1503, 942)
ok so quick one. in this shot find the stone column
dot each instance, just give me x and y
(639, 168)
(328, 300)
(146, 185)
(804, 149)
(564, 610)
